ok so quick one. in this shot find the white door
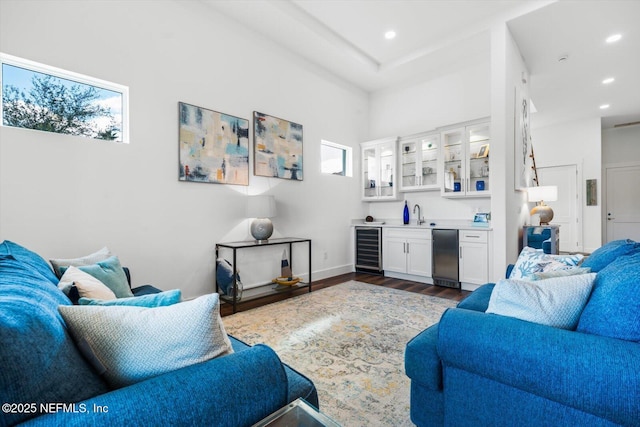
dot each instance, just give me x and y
(566, 210)
(419, 257)
(395, 255)
(623, 203)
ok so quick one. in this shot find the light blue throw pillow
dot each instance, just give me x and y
(130, 344)
(562, 272)
(160, 299)
(110, 273)
(556, 302)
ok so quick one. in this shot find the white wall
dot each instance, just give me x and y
(578, 142)
(443, 101)
(508, 206)
(621, 145)
(65, 196)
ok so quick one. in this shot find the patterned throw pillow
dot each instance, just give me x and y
(130, 344)
(556, 302)
(531, 261)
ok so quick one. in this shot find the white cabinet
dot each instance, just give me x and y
(407, 253)
(379, 170)
(464, 161)
(474, 258)
(419, 163)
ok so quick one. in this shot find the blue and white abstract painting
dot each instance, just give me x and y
(278, 147)
(214, 147)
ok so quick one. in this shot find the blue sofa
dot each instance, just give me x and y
(44, 379)
(479, 369)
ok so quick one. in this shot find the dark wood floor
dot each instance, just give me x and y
(405, 285)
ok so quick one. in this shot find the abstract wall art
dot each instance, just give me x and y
(277, 147)
(214, 147)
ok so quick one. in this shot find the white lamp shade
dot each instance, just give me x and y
(548, 193)
(261, 207)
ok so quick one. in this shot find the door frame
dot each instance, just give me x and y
(605, 170)
(579, 224)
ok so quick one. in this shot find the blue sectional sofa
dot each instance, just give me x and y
(44, 379)
(479, 369)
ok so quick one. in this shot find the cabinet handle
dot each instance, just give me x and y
(407, 247)
(460, 250)
(404, 248)
(475, 236)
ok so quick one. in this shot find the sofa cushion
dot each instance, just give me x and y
(109, 272)
(614, 307)
(99, 255)
(160, 299)
(30, 258)
(129, 344)
(556, 302)
(85, 284)
(608, 253)
(38, 359)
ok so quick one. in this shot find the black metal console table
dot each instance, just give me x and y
(267, 289)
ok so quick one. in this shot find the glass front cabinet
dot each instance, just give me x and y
(465, 161)
(419, 162)
(379, 170)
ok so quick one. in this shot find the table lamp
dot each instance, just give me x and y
(261, 208)
(539, 195)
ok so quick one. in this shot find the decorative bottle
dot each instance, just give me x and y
(405, 214)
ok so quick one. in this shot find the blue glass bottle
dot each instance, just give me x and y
(405, 214)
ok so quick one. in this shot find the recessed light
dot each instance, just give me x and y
(608, 80)
(604, 106)
(614, 38)
(390, 35)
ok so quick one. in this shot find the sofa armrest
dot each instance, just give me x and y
(421, 361)
(594, 374)
(235, 390)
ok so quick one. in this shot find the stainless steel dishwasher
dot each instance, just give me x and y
(445, 271)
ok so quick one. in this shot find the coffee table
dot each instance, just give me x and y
(297, 413)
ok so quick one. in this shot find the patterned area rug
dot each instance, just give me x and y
(350, 340)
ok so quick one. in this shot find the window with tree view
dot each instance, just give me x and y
(40, 97)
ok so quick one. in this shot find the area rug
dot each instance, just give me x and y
(349, 339)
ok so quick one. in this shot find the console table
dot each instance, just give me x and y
(270, 288)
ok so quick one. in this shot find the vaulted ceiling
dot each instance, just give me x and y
(435, 37)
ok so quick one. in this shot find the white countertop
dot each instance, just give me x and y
(428, 224)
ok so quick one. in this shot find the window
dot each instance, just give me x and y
(336, 158)
(40, 97)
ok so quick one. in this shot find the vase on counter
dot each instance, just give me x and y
(405, 213)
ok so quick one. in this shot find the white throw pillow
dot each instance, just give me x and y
(87, 285)
(556, 302)
(129, 344)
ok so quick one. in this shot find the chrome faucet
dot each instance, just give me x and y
(419, 220)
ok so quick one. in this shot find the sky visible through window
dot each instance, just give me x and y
(47, 102)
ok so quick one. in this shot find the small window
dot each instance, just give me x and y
(336, 158)
(39, 97)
